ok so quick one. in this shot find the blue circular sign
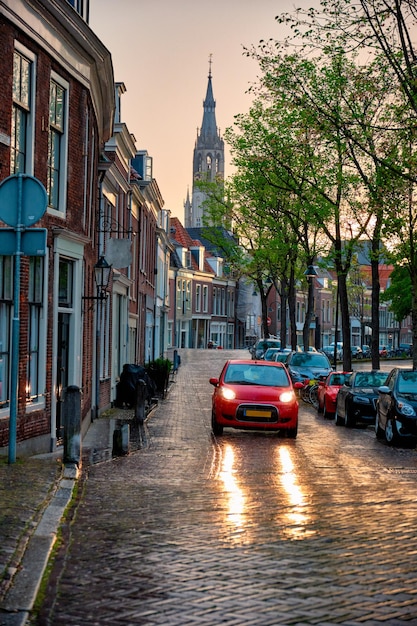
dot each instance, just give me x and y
(23, 200)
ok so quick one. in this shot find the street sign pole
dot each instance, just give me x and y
(23, 202)
(14, 373)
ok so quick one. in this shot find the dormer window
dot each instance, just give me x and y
(82, 7)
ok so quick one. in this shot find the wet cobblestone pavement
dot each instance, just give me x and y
(26, 487)
(243, 529)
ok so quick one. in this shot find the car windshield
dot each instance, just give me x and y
(407, 382)
(309, 359)
(268, 343)
(243, 374)
(338, 379)
(281, 357)
(370, 379)
(270, 353)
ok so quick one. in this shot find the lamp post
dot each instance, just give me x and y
(102, 272)
(310, 273)
(336, 324)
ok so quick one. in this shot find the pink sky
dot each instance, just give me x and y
(160, 50)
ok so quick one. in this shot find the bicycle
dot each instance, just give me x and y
(308, 393)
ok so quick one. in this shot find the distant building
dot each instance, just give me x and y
(208, 160)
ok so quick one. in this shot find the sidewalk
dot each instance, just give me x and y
(34, 493)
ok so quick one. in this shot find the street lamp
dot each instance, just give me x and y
(102, 271)
(310, 272)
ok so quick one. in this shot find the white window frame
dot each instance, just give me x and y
(38, 401)
(63, 151)
(30, 111)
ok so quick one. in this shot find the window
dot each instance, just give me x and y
(6, 311)
(188, 295)
(21, 145)
(205, 298)
(65, 283)
(179, 303)
(34, 384)
(198, 298)
(81, 6)
(57, 146)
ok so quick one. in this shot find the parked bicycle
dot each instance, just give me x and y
(308, 393)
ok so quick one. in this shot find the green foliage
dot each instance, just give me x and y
(399, 293)
(159, 371)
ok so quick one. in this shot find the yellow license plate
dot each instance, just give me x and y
(254, 413)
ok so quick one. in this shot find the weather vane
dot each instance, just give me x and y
(210, 62)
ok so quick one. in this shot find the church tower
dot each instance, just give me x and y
(208, 160)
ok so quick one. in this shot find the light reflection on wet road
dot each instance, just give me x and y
(244, 529)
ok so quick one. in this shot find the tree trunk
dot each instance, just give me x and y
(375, 312)
(344, 311)
(284, 302)
(309, 315)
(291, 307)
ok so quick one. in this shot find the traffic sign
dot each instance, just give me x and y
(32, 196)
(32, 243)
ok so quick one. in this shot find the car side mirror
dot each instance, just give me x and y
(298, 385)
(384, 389)
(214, 381)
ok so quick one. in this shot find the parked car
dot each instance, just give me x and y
(307, 365)
(259, 349)
(327, 392)
(404, 349)
(329, 351)
(280, 356)
(356, 400)
(396, 408)
(356, 352)
(366, 352)
(270, 354)
(256, 396)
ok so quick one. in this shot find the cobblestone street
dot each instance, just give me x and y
(243, 529)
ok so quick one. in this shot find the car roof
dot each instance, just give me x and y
(254, 362)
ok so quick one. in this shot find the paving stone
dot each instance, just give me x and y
(240, 530)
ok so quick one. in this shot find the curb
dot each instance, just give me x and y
(20, 598)
(21, 595)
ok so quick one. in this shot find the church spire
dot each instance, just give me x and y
(209, 126)
(208, 159)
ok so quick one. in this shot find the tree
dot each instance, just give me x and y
(381, 30)
(398, 294)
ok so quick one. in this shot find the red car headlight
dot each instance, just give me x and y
(286, 396)
(227, 393)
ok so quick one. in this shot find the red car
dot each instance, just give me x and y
(327, 393)
(254, 395)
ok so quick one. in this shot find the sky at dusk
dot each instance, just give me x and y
(160, 50)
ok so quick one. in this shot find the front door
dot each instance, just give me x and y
(62, 369)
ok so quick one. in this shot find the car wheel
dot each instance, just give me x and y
(391, 432)
(339, 420)
(326, 414)
(292, 432)
(350, 421)
(215, 427)
(379, 433)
